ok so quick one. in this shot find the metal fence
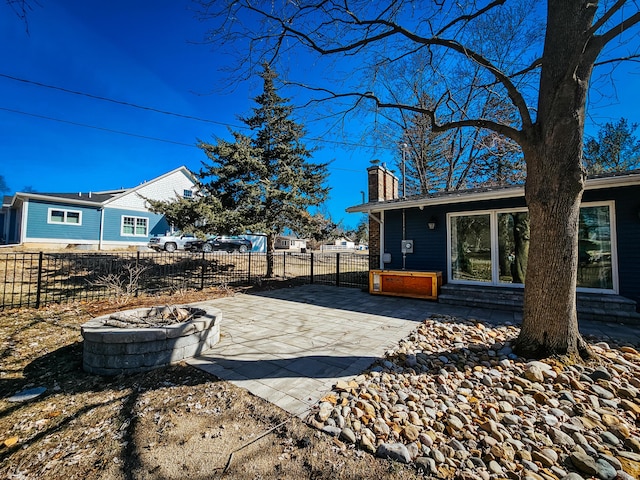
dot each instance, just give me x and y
(36, 279)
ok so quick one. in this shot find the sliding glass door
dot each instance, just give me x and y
(492, 247)
(471, 248)
(595, 266)
(513, 246)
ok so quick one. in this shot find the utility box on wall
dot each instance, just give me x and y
(405, 283)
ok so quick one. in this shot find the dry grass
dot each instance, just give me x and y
(172, 423)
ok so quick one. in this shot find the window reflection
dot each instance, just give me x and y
(471, 248)
(594, 248)
(513, 246)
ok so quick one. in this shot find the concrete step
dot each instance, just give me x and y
(591, 306)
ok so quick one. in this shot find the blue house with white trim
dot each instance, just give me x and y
(96, 220)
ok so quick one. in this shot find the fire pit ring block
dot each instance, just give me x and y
(112, 351)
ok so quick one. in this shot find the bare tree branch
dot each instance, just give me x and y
(618, 29)
(510, 132)
(22, 8)
(395, 29)
(468, 18)
(537, 63)
(606, 17)
(631, 58)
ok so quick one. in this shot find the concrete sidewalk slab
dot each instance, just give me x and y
(290, 346)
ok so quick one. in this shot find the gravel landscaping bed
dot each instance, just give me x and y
(455, 401)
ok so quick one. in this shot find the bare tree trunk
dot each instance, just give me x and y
(554, 193)
(271, 248)
(550, 323)
(555, 182)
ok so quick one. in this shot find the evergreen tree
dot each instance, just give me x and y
(195, 215)
(615, 150)
(264, 183)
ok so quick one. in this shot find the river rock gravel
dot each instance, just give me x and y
(453, 399)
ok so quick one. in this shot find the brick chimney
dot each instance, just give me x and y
(383, 185)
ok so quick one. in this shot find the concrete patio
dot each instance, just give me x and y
(290, 346)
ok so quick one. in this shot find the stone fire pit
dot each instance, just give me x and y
(142, 339)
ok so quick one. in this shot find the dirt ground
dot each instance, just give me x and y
(172, 423)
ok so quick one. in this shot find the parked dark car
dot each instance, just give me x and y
(226, 244)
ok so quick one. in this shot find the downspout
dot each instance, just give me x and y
(101, 228)
(404, 236)
(381, 239)
(24, 214)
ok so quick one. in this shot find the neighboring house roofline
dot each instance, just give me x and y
(289, 237)
(94, 199)
(622, 179)
(70, 198)
(146, 183)
(111, 192)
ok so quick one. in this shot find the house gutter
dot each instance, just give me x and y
(49, 198)
(439, 200)
(597, 183)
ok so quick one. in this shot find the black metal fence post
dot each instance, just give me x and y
(337, 269)
(39, 283)
(311, 279)
(284, 264)
(137, 272)
(203, 269)
(249, 270)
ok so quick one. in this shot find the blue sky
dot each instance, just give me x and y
(148, 53)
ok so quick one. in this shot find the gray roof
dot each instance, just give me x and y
(609, 180)
(89, 197)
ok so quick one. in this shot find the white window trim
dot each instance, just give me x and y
(134, 234)
(614, 248)
(492, 225)
(493, 222)
(65, 211)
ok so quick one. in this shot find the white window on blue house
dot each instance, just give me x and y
(134, 226)
(187, 194)
(63, 216)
